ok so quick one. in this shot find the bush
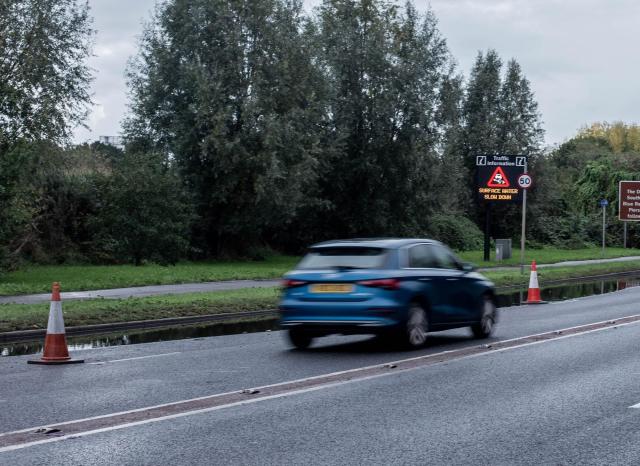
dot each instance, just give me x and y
(569, 231)
(456, 231)
(143, 213)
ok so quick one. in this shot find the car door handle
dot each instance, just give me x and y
(424, 279)
(452, 279)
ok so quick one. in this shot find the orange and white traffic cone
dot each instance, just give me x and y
(533, 296)
(55, 342)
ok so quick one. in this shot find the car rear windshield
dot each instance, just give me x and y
(344, 258)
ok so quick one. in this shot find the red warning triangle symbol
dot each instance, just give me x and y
(498, 179)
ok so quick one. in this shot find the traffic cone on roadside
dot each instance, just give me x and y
(55, 342)
(533, 295)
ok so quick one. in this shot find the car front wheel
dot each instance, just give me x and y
(488, 318)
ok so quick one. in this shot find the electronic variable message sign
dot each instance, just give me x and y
(629, 201)
(497, 177)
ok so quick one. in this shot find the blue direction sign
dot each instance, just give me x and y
(604, 203)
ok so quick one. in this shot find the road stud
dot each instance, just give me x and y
(533, 295)
(55, 341)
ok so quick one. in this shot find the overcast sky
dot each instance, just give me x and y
(581, 56)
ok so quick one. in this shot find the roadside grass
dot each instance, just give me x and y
(547, 255)
(514, 277)
(98, 311)
(102, 311)
(38, 278)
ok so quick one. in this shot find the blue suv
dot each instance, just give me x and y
(400, 287)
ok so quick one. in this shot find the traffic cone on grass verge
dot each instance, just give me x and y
(55, 342)
(533, 296)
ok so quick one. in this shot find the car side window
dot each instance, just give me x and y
(443, 258)
(421, 257)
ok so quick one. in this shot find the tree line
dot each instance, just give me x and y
(256, 126)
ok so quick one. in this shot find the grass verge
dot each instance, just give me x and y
(548, 255)
(38, 278)
(512, 277)
(101, 311)
(98, 311)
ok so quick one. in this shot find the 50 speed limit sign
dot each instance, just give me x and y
(525, 181)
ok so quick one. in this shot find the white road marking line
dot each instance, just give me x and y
(284, 394)
(635, 406)
(133, 359)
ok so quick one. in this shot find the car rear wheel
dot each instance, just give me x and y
(484, 328)
(299, 338)
(417, 326)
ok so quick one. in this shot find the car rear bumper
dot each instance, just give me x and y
(353, 318)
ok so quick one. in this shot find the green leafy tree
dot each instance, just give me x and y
(384, 66)
(500, 117)
(482, 108)
(228, 89)
(44, 78)
(519, 127)
(142, 212)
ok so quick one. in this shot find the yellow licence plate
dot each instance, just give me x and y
(331, 288)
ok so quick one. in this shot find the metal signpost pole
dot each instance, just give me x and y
(625, 234)
(524, 224)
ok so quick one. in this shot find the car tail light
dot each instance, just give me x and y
(385, 283)
(288, 283)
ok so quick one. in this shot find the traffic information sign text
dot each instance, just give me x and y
(629, 201)
(497, 177)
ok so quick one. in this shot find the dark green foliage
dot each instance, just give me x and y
(254, 127)
(229, 88)
(44, 45)
(384, 68)
(141, 214)
(482, 108)
(500, 117)
(456, 231)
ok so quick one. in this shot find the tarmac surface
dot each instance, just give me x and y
(157, 290)
(566, 401)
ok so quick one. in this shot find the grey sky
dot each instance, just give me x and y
(580, 55)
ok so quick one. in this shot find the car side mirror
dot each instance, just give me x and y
(467, 267)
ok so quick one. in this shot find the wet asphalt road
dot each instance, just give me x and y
(560, 402)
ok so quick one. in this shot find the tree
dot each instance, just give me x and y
(481, 108)
(142, 212)
(519, 127)
(228, 89)
(384, 67)
(44, 77)
(500, 117)
(44, 46)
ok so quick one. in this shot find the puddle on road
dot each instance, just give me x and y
(135, 337)
(570, 291)
(513, 298)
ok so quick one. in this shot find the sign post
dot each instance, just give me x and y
(604, 203)
(496, 177)
(525, 182)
